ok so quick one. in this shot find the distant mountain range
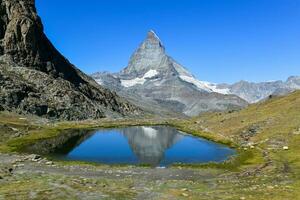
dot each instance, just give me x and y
(255, 92)
(155, 81)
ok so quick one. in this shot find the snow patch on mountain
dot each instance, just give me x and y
(130, 83)
(99, 81)
(202, 85)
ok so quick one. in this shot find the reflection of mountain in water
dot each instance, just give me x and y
(62, 144)
(150, 143)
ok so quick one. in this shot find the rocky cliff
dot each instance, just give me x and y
(35, 78)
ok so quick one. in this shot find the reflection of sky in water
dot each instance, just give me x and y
(149, 145)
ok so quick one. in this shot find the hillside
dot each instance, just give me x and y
(36, 79)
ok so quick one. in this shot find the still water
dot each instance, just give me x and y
(156, 146)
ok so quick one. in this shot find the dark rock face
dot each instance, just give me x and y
(35, 78)
(24, 40)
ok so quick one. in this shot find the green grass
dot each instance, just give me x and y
(248, 175)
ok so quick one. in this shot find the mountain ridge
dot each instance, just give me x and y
(255, 92)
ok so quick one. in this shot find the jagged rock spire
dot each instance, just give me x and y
(153, 40)
(150, 55)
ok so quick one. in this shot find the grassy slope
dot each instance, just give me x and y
(277, 122)
(264, 172)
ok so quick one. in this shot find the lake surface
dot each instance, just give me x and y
(156, 146)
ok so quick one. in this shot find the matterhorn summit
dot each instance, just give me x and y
(155, 80)
(149, 56)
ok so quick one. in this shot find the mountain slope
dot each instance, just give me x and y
(160, 82)
(35, 78)
(272, 126)
(275, 116)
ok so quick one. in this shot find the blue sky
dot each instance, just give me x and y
(217, 40)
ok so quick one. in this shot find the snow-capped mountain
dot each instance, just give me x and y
(151, 60)
(255, 92)
(155, 81)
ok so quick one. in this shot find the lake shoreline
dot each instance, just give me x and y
(53, 130)
(32, 172)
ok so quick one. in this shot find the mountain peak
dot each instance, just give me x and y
(153, 40)
(152, 35)
(149, 56)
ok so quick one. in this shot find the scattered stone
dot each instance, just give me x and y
(242, 198)
(297, 132)
(184, 194)
(33, 157)
(270, 187)
(250, 132)
(18, 134)
(20, 165)
(49, 163)
(14, 129)
(285, 148)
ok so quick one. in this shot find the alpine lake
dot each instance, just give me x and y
(157, 146)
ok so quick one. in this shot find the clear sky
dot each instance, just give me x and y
(217, 40)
